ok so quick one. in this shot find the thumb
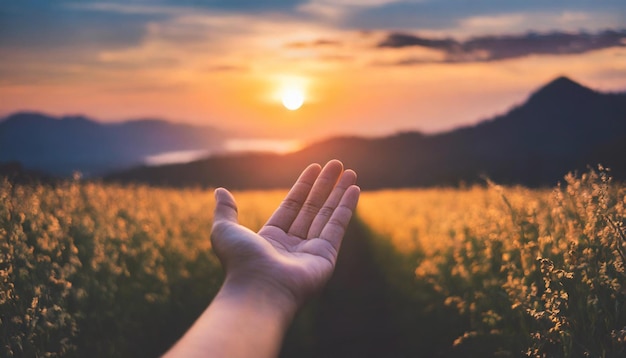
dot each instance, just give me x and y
(225, 207)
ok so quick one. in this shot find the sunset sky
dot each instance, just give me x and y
(370, 67)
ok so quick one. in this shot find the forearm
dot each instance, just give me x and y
(242, 321)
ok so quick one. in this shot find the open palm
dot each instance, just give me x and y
(296, 250)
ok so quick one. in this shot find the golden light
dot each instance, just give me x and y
(292, 98)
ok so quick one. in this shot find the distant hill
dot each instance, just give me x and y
(15, 173)
(60, 146)
(563, 126)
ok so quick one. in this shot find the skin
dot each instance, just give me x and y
(270, 274)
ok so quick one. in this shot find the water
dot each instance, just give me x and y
(280, 146)
(179, 156)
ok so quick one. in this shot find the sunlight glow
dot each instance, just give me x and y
(292, 98)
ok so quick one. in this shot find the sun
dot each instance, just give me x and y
(292, 98)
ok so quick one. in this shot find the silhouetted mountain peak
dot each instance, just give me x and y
(563, 83)
(25, 117)
(61, 145)
(563, 127)
(34, 119)
(561, 89)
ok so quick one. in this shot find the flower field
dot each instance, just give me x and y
(89, 269)
(537, 273)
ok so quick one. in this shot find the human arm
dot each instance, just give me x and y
(271, 273)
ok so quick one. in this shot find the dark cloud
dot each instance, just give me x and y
(405, 40)
(44, 25)
(494, 48)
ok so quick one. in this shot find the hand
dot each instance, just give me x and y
(269, 274)
(294, 254)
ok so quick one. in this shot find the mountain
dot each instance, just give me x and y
(563, 126)
(62, 145)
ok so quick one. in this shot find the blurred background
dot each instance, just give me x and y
(461, 118)
(158, 82)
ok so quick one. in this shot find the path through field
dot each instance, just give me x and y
(371, 308)
(352, 318)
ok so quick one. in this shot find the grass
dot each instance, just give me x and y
(98, 270)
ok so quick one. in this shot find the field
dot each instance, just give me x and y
(88, 269)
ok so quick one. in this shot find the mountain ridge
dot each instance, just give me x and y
(558, 129)
(562, 126)
(62, 145)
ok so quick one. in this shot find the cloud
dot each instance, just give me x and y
(177, 6)
(405, 40)
(312, 44)
(337, 10)
(494, 23)
(564, 20)
(49, 26)
(494, 48)
(227, 68)
(474, 18)
(246, 5)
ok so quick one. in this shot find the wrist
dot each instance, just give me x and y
(264, 296)
(242, 308)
